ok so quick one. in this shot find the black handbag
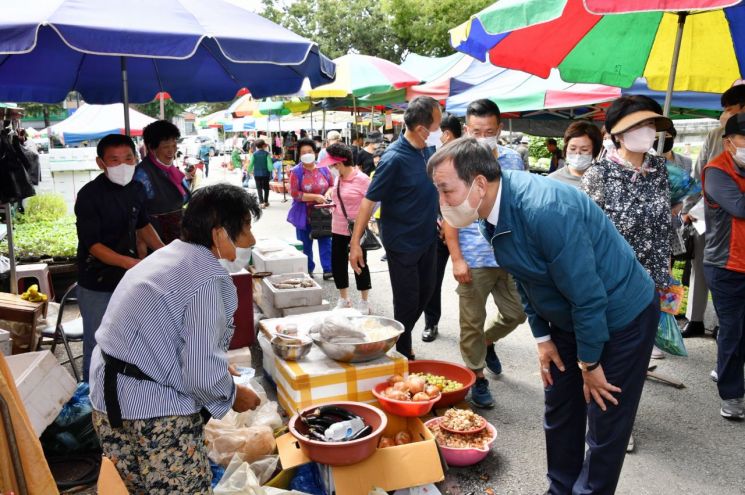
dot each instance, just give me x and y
(320, 223)
(368, 241)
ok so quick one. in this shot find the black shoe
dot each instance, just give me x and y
(328, 276)
(715, 332)
(492, 360)
(693, 329)
(429, 334)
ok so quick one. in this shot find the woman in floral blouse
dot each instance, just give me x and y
(308, 186)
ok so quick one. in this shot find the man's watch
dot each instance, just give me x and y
(586, 367)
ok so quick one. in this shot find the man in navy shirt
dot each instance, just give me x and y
(408, 203)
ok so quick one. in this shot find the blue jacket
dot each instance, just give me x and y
(572, 267)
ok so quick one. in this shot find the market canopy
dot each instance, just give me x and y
(96, 121)
(360, 75)
(613, 42)
(195, 50)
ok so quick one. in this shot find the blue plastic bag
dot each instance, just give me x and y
(668, 336)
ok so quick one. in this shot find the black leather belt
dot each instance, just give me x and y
(114, 367)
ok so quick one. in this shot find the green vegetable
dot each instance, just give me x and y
(44, 239)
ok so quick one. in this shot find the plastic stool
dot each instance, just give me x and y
(39, 271)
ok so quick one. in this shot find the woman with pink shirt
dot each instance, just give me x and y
(349, 189)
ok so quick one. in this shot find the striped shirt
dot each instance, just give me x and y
(172, 317)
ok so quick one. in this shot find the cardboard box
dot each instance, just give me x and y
(317, 379)
(393, 468)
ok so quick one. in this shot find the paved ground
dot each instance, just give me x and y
(683, 445)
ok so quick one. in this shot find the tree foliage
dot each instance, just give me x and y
(170, 109)
(43, 109)
(388, 29)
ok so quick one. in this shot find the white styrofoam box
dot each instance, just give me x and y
(43, 384)
(267, 356)
(5, 344)
(265, 305)
(287, 260)
(291, 298)
(301, 310)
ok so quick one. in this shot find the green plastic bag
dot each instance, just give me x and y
(668, 336)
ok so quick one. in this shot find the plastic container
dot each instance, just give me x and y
(291, 298)
(450, 371)
(464, 457)
(405, 408)
(5, 345)
(278, 262)
(341, 453)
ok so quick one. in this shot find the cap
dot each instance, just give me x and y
(525, 140)
(735, 125)
(329, 160)
(662, 123)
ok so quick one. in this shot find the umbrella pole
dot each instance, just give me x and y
(162, 106)
(324, 123)
(354, 111)
(671, 78)
(125, 95)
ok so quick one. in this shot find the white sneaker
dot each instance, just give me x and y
(363, 307)
(343, 304)
(714, 376)
(657, 354)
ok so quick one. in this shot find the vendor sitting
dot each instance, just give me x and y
(160, 367)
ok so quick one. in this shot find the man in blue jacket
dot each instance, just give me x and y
(587, 298)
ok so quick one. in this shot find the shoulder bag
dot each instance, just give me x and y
(368, 241)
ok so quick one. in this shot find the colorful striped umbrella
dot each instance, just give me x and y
(360, 75)
(699, 45)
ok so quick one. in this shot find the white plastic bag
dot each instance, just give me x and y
(241, 478)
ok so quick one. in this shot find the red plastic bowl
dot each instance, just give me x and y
(341, 453)
(407, 408)
(450, 371)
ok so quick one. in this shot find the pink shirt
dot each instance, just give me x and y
(353, 190)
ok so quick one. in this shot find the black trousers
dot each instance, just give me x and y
(728, 292)
(340, 264)
(262, 188)
(412, 282)
(567, 417)
(433, 310)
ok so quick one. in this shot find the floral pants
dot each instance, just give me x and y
(159, 455)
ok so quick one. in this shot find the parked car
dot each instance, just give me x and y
(190, 145)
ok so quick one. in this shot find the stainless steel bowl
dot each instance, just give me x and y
(365, 351)
(290, 352)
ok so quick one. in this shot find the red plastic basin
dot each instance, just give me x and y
(341, 453)
(450, 371)
(406, 408)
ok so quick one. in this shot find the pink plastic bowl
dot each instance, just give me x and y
(464, 457)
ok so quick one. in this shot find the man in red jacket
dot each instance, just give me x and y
(723, 181)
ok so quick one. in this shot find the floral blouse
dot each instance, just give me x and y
(638, 204)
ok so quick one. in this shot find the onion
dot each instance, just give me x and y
(421, 397)
(401, 386)
(415, 384)
(402, 437)
(432, 391)
(386, 442)
(395, 379)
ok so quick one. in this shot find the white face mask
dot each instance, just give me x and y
(490, 142)
(121, 174)
(608, 145)
(639, 140)
(739, 156)
(434, 138)
(334, 171)
(464, 214)
(579, 162)
(308, 158)
(242, 257)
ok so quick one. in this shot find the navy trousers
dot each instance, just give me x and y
(569, 419)
(728, 293)
(433, 310)
(412, 282)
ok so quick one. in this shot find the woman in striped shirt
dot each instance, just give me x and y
(160, 369)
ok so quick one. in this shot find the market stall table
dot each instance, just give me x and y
(316, 378)
(22, 318)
